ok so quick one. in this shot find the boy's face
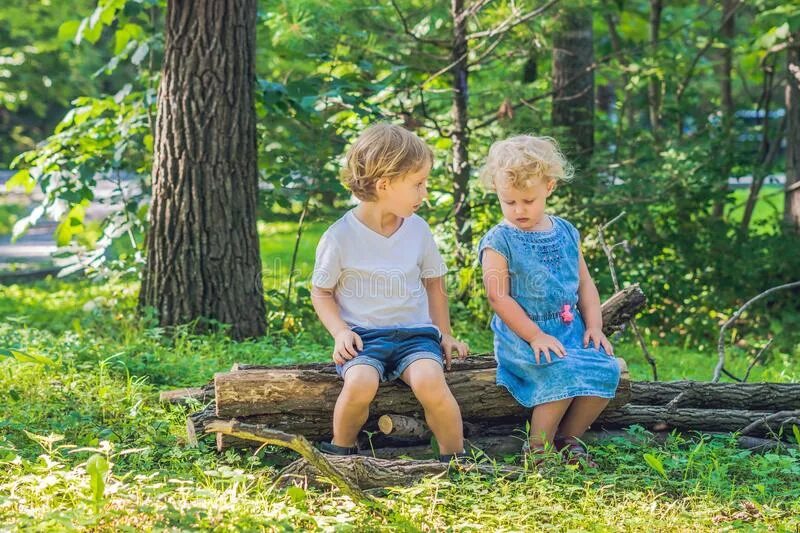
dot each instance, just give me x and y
(524, 207)
(405, 195)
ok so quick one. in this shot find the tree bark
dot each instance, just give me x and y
(791, 205)
(203, 261)
(573, 77)
(707, 395)
(657, 416)
(653, 88)
(460, 133)
(289, 397)
(728, 31)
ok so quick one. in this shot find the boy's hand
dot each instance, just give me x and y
(545, 343)
(450, 343)
(598, 338)
(347, 344)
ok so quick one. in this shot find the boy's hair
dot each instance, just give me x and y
(382, 151)
(521, 159)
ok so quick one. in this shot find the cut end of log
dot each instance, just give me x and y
(385, 424)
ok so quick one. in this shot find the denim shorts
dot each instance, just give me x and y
(391, 350)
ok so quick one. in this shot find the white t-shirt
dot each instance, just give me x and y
(377, 280)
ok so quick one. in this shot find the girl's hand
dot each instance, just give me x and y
(597, 337)
(347, 343)
(450, 343)
(545, 343)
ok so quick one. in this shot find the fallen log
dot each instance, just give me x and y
(751, 396)
(500, 446)
(649, 416)
(352, 474)
(617, 311)
(403, 426)
(291, 398)
(185, 395)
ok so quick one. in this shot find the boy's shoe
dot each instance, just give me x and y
(573, 451)
(332, 449)
(461, 460)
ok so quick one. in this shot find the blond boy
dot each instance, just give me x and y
(378, 288)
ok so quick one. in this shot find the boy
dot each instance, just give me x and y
(378, 288)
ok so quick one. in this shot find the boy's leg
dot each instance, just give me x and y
(583, 411)
(426, 379)
(352, 407)
(545, 420)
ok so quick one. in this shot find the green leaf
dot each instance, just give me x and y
(655, 463)
(23, 357)
(68, 30)
(297, 494)
(796, 432)
(121, 39)
(71, 225)
(23, 179)
(97, 467)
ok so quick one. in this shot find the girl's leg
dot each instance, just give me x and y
(426, 379)
(545, 420)
(352, 407)
(583, 411)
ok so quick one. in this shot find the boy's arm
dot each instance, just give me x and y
(437, 303)
(440, 316)
(347, 343)
(327, 310)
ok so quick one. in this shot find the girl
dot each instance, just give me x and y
(551, 352)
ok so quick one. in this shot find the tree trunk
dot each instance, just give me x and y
(653, 85)
(460, 135)
(203, 259)
(791, 205)
(726, 90)
(573, 78)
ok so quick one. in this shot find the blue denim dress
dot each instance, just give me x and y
(543, 274)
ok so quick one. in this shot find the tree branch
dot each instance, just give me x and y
(511, 22)
(407, 29)
(721, 340)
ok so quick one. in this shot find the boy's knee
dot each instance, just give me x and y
(360, 384)
(429, 386)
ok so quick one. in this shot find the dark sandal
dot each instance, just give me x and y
(333, 449)
(573, 451)
(538, 454)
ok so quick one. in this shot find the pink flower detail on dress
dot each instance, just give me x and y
(566, 314)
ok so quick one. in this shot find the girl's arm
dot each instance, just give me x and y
(589, 305)
(440, 316)
(498, 290)
(588, 297)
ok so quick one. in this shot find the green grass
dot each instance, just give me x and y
(9, 214)
(90, 384)
(277, 242)
(768, 212)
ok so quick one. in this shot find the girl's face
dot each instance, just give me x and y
(403, 196)
(524, 207)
